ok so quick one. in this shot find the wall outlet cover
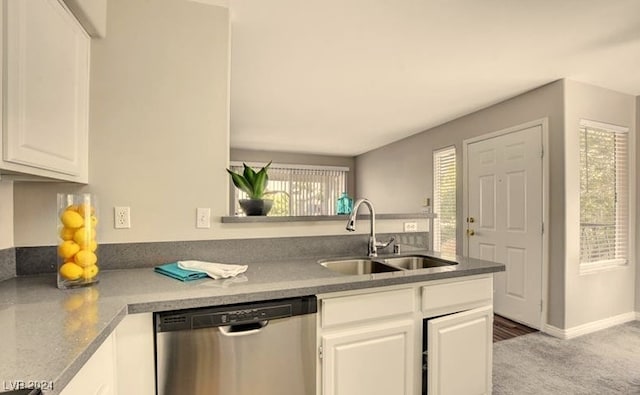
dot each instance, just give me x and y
(410, 226)
(121, 217)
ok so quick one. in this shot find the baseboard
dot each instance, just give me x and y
(590, 327)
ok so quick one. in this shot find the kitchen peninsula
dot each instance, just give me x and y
(48, 334)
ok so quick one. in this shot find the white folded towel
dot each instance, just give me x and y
(213, 270)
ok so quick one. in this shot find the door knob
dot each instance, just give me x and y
(471, 232)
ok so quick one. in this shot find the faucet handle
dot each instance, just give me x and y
(380, 244)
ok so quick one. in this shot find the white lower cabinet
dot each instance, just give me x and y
(369, 360)
(459, 353)
(368, 342)
(122, 365)
(97, 376)
(371, 341)
(135, 355)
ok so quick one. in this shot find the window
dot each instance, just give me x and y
(444, 200)
(300, 190)
(604, 194)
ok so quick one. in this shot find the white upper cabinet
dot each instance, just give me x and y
(46, 94)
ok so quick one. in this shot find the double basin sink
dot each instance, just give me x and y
(371, 265)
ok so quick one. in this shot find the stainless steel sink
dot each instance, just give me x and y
(365, 265)
(357, 266)
(417, 262)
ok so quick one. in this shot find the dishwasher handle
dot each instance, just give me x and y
(243, 329)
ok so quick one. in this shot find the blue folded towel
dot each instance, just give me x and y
(172, 270)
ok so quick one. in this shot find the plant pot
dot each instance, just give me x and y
(256, 206)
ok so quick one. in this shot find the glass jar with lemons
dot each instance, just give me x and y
(77, 240)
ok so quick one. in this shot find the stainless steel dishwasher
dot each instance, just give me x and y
(265, 348)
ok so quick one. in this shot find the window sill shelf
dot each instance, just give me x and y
(316, 218)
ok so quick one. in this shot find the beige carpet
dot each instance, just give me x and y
(605, 362)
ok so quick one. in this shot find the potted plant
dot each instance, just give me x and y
(253, 184)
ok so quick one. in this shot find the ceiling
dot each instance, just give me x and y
(343, 77)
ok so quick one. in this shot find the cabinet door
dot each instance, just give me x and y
(97, 376)
(47, 85)
(459, 353)
(135, 355)
(369, 360)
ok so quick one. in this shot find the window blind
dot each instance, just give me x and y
(301, 190)
(444, 200)
(604, 194)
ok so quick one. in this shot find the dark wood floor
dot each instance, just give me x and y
(504, 329)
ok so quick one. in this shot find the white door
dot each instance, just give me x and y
(459, 353)
(504, 186)
(370, 360)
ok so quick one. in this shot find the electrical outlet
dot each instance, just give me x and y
(410, 226)
(203, 218)
(121, 217)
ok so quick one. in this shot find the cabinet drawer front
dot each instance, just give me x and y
(347, 309)
(456, 296)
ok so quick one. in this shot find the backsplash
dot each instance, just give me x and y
(7, 263)
(38, 260)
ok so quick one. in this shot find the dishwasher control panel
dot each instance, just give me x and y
(240, 316)
(234, 314)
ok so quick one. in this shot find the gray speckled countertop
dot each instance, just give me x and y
(46, 334)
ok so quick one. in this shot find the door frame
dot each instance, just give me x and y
(544, 124)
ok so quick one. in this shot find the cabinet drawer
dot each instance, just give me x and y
(348, 309)
(455, 296)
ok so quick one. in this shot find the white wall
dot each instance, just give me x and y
(159, 134)
(398, 176)
(158, 123)
(6, 214)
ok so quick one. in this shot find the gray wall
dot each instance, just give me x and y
(406, 167)
(637, 240)
(602, 294)
(6, 214)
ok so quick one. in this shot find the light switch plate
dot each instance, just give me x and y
(203, 218)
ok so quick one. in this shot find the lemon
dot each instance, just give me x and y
(93, 246)
(85, 209)
(66, 233)
(85, 258)
(90, 272)
(71, 271)
(83, 236)
(71, 219)
(94, 221)
(68, 248)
